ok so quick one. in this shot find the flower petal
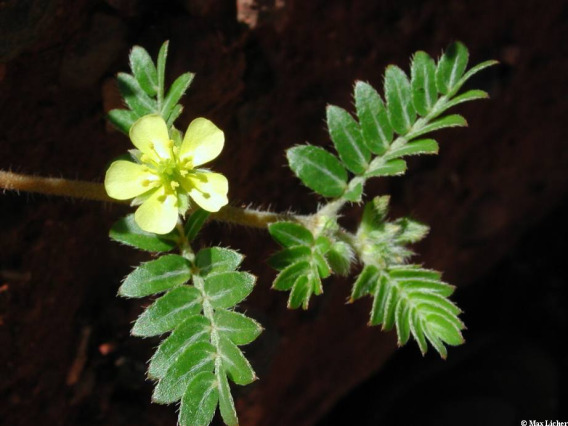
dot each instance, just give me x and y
(125, 180)
(208, 190)
(158, 214)
(203, 142)
(150, 135)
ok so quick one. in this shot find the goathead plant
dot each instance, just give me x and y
(196, 292)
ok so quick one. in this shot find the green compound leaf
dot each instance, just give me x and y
(199, 401)
(471, 73)
(282, 259)
(235, 363)
(144, 70)
(365, 282)
(339, 257)
(451, 67)
(156, 276)
(216, 260)
(348, 140)
(194, 329)
(387, 168)
(301, 292)
(176, 112)
(161, 68)
(290, 234)
(194, 224)
(470, 95)
(318, 170)
(373, 118)
(122, 119)
(238, 328)
(168, 311)
(410, 231)
(399, 100)
(126, 231)
(302, 266)
(226, 289)
(354, 193)
(415, 301)
(423, 83)
(286, 279)
(454, 120)
(321, 264)
(134, 96)
(175, 93)
(421, 146)
(226, 403)
(196, 358)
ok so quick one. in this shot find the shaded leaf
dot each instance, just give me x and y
(134, 96)
(122, 119)
(176, 112)
(301, 293)
(195, 222)
(286, 279)
(282, 259)
(126, 231)
(339, 258)
(365, 282)
(354, 193)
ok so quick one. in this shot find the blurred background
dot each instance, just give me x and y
(495, 199)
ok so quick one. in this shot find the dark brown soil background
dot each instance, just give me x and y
(495, 198)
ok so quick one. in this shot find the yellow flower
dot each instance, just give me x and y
(165, 176)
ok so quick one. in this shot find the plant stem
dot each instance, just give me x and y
(199, 284)
(96, 192)
(53, 186)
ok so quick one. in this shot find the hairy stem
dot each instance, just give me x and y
(96, 191)
(54, 186)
